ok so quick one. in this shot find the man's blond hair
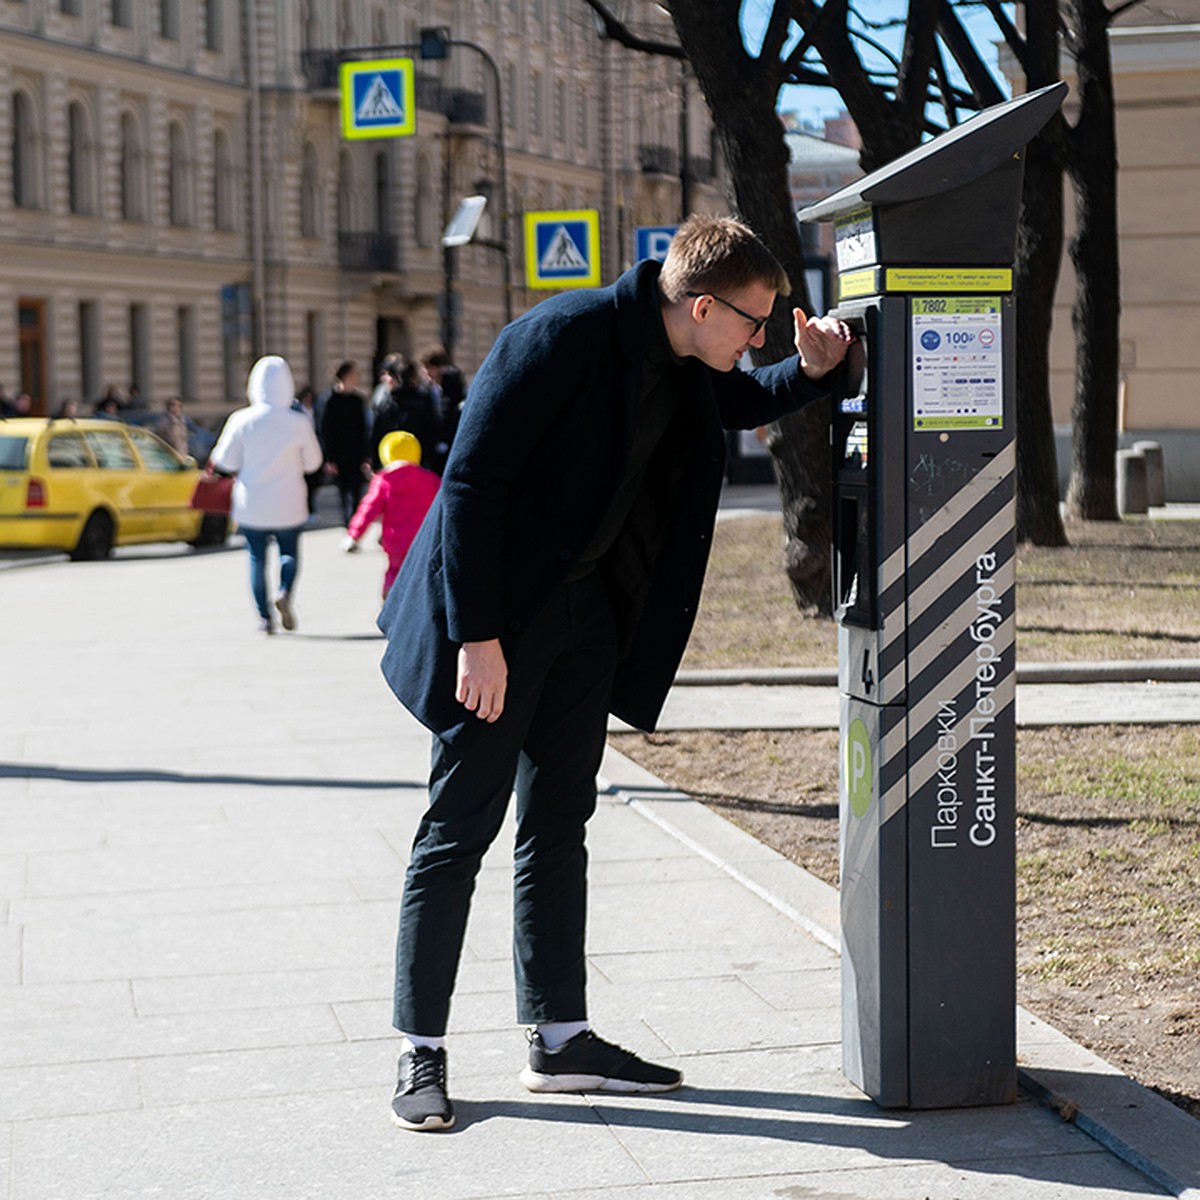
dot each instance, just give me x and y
(715, 255)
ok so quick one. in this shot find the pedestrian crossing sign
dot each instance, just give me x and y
(562, 249)
(378, 98)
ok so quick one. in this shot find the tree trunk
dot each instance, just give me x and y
(1092, 162)
(1039, 254)
(741, 93)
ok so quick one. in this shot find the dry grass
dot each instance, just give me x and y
(1129, 590)
(1108, 830)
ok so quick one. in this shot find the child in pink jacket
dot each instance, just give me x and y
(399, 497)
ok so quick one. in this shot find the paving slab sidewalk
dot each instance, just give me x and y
(202, 840)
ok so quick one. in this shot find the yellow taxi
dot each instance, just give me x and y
(84, 486)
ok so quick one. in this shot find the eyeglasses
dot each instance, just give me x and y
(757, 322)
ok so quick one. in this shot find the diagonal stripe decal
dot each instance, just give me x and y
(960, 504)
(924, 653)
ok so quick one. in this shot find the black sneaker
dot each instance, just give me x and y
(420, 1101)
(588, 1064)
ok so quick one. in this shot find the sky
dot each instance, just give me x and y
(813, 104)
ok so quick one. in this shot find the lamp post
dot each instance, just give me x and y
(435, 43)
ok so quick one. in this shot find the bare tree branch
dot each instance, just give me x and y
(1009, 32)
(912, 80)
(1123, 8)
(776, 35)
(947, 92)
(984, 89)
(620, 32)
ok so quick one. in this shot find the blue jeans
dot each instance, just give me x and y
(288, 541)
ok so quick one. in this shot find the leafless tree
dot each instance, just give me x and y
(893, 111)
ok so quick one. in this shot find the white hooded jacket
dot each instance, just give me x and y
(270, 449)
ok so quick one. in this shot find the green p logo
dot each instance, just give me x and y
(856, 768)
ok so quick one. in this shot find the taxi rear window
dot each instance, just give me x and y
(68, 450)
(12, 452)
(112, 451)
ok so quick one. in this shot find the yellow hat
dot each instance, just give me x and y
(399, 446)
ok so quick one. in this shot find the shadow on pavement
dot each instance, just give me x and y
(843, 1122)
(338, 637)
(153, 775)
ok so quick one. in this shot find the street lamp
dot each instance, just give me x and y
(435, 43)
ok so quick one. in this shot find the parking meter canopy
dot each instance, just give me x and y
(954, 199)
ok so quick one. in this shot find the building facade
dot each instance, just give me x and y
(178, 197)
(1156, 74)
(1155, 53)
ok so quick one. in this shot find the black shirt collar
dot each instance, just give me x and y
(658, 352)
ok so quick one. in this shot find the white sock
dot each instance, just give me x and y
(412, 1040)
(557, 1033)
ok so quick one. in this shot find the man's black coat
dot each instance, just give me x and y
(539, 453)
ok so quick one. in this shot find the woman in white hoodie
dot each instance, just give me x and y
(270, 448)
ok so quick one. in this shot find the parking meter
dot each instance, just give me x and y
(924, 465)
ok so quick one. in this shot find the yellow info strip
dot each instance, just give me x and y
(948, 279)
(853, 284)
(871, 281)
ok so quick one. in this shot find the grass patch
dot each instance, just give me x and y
(1108, 828)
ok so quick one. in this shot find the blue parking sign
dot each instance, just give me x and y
(652, 241)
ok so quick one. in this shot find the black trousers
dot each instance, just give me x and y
(548, 742)
(350, 486)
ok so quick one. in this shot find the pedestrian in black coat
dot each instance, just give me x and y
(344, 438)
(408, 407)
(554, 580)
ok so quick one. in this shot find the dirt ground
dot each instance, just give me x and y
(1108, 826)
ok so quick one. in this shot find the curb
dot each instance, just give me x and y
(1129, 1120)
(1179, 670)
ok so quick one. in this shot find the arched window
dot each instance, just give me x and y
(560, 111)
(168, 19)
(310, 27)
(310, 193)
(383, 194)
(214, 26)
(224, 203)
(345, 195)
(179, 176)
(24, 153)
(80, 175)
(424, 209)
(133, 167)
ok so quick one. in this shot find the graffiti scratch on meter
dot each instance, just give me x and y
(945, 831)
(932, 475)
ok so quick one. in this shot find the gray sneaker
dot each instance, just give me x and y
(420, 1101)
(588, 1064)
(287, 615)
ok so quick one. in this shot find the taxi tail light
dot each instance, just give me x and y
(35, 494)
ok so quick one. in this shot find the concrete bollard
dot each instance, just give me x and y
(1156, 478)
(1131, 483)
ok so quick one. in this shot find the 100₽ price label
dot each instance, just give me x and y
(957, 363)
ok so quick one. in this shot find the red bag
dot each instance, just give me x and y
(214, 493)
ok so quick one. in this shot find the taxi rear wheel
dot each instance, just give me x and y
(96, 540)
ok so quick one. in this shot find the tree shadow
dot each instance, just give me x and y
(156, 775)
(1150, 635)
